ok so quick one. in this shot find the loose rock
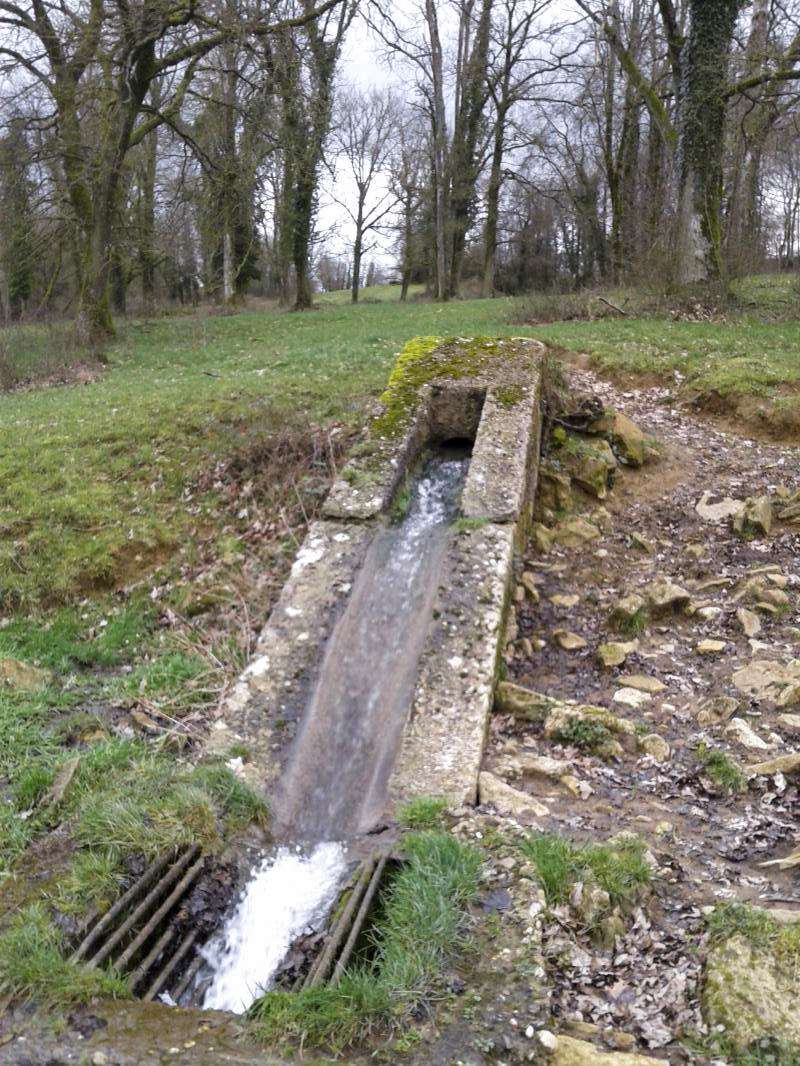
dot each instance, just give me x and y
(568, 641)
(22, 676)
(616, 652)
(508, 800)
(655, 746)
(750, 995)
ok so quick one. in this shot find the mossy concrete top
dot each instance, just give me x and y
(438, 389)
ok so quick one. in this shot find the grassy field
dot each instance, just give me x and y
(148, 512)
(93, 479)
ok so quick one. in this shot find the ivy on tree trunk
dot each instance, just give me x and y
(704, 69)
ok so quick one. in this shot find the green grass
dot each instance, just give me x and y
(421, 931)
(619, 869)
(762, 932)
(721, 768)
(32, 964)
(745, 356)
(763, 1052)
(369, 295)
(588, 736)
(423, 812)
(636, 624)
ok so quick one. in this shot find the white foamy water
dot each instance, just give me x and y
(287, 894)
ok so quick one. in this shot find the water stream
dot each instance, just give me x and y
(335, 783)
(288, 894)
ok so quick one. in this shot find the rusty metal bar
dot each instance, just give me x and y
(321, 967)
(358, 921)
(143, 908)
(170, 966)
(191, 972)
(137, 976)
(144, 933)
(133, 893)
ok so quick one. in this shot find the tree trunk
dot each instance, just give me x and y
(493, 209)
(119, 281)
(464, 164)
(441, 169)
(302, 212)
(755, 116)
(705, 59)
(228, 268)
(357, 249)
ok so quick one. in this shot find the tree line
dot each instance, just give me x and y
(178, 150)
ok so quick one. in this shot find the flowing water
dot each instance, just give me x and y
(335, 784)
(288, 894)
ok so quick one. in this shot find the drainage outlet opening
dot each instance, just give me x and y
(153, 931)
(455, 448)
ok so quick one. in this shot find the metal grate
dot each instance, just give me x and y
(139, 935)
(146, 937)
(352, 917)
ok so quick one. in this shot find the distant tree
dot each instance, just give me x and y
(17, 226)
(409, 174)
(301, 62)
(511, 77)
(96, 62)
(414, 35)
(362, 136)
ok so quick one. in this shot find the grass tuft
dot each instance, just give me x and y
(721, 768)
(619, 869)
(423, 812)
(32, 965)
(756, 926)
(586, 735)
(636, 624)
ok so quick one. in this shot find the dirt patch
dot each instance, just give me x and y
(768, 418)
(85, 372)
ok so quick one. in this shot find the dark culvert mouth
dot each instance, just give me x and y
(455, 448)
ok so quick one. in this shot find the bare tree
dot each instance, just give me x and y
(415, 37)
(302, 61)
(362, 137)
(96, 62)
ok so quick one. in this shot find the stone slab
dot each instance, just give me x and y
(442, 746)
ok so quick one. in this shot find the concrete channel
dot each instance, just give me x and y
(487, 392)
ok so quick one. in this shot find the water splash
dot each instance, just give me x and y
(288, 894)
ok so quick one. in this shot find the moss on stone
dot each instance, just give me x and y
(508, 396)
(427, 359)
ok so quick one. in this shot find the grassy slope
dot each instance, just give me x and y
(746, 356)
(92, 477)
(752, 347)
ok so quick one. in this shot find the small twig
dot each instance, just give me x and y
(613, 307)
(300, 501)
(288, 528)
